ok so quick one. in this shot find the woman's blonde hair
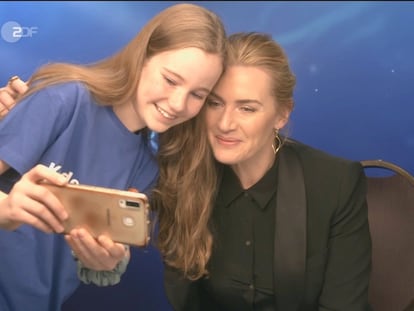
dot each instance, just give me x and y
(115, 79)
(189, 175)
(261, 51)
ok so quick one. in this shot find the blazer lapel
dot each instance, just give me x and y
(290, 232)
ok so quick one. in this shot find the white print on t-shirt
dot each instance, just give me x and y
(68, 175)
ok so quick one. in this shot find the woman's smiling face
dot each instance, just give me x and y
(241, 117)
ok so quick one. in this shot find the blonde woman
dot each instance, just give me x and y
(262, 223)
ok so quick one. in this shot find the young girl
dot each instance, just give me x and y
(89, 124)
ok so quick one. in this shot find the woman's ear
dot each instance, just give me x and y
(283, 115)
(281, 122)
(282, 119)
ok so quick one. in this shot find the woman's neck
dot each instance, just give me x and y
(250, 172)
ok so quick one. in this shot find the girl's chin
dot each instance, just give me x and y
(159, 127)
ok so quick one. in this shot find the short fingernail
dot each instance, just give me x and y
(63, 178)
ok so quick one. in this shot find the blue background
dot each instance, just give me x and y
(354, 95)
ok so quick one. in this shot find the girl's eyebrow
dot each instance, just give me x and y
(182, 79)
(173, 73)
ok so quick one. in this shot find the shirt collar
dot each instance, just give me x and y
(261, 192)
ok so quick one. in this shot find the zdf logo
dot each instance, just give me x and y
(12, 31)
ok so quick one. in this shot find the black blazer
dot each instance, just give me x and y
(322, 242)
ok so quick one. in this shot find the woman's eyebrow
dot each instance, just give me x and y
(248, 101)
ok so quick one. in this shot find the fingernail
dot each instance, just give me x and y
(63, 179)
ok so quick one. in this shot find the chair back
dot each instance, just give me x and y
(390, 199)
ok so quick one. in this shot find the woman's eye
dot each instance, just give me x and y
(248, 109)
(212, 103)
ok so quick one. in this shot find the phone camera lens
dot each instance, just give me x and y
(132, 204)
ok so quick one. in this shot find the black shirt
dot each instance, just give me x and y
(241, 265)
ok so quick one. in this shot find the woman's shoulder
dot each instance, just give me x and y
(313, 157)
(327, 173)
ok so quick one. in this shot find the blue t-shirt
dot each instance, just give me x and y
(63, 127)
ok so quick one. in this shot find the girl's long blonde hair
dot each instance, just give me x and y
(115, 80)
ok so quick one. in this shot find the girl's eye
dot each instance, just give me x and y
(198, 96)
(169, 81)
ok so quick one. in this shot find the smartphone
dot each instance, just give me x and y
(120, 214)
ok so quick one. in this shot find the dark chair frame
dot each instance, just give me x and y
(384, 164)
(379, 216)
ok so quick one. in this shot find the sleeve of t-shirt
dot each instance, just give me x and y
(31, 126)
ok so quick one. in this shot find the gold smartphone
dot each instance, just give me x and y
(120, 214)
